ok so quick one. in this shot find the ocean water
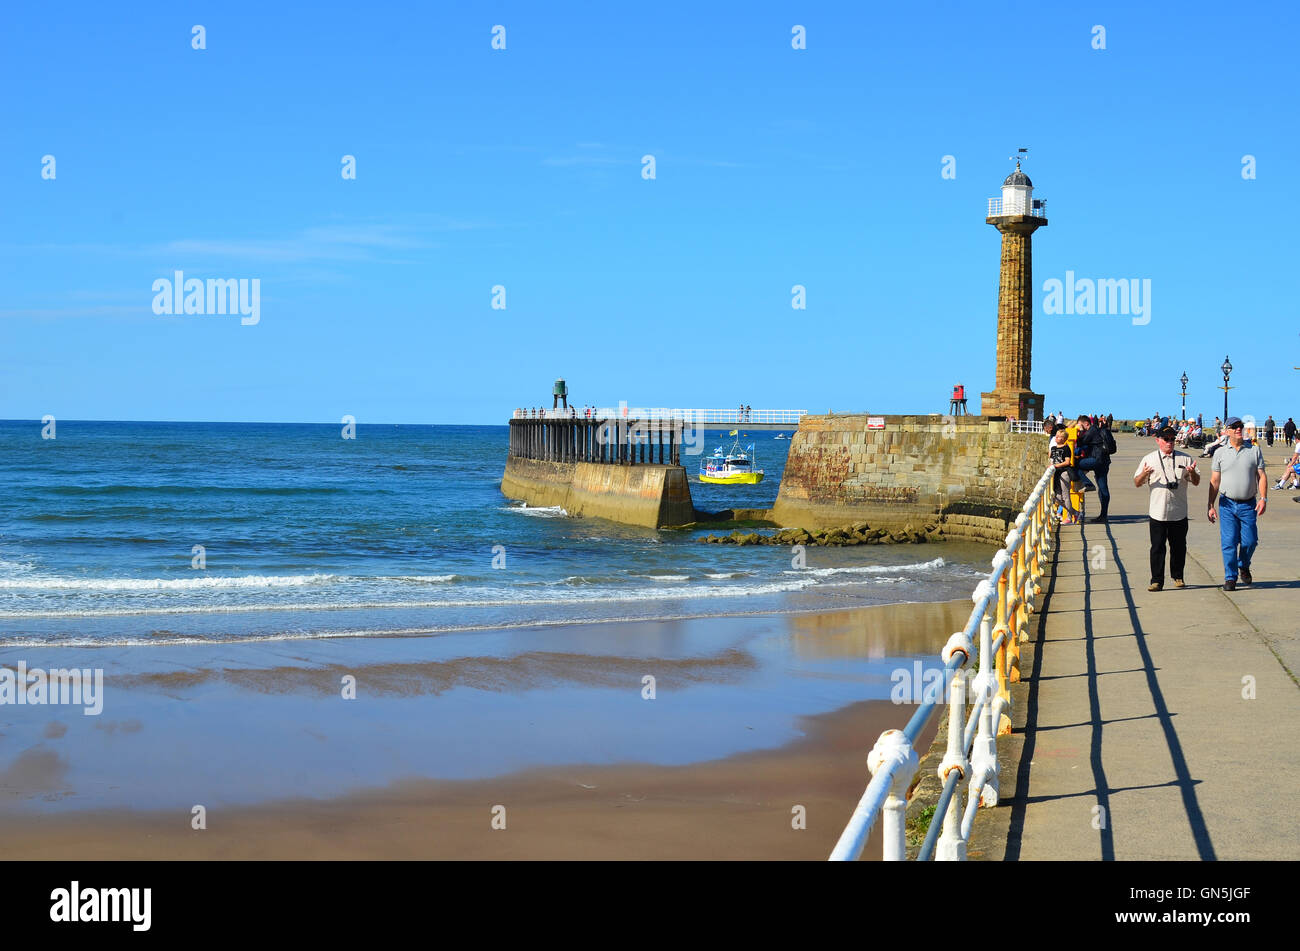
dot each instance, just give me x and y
(402, 530)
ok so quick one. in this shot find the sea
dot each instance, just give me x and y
(153, 533)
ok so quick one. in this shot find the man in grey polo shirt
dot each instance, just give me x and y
(1237, 477)
(1167, 471)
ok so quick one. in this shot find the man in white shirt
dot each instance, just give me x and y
(1168, 472)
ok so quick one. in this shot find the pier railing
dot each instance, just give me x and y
(1004, 602)
(732, 417)
(614, 441)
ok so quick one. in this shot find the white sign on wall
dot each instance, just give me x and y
(875, 422)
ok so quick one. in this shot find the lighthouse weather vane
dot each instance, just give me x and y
(1016, 158)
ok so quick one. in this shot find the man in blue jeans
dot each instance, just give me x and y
(1237, 476)
(1091, 456)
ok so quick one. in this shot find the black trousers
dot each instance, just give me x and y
(1175, 533)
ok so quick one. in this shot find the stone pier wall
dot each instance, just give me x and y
(969, 474)
(653, 496)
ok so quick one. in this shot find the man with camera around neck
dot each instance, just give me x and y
(1168, 472)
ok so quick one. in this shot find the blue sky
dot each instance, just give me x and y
(522, 167)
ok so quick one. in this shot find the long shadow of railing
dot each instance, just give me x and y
(1100, 785)
(1186, 785)
(1102, 790)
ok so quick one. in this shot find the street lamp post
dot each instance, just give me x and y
(1227, 369)
(1183, 380)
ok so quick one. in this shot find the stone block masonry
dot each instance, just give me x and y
(970, 473)
(652, 496)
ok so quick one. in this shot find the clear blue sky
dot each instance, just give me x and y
(522, 167)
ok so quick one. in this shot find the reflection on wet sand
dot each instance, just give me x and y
(752, 716)
(885, 631)
(529, 671)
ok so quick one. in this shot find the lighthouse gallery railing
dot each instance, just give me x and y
(999, 207)
(1003, 603)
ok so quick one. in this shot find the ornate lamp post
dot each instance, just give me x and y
(1183, 380)
(1227, 369)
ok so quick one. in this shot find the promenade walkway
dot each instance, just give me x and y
(1133, 701)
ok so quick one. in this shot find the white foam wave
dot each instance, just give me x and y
(540, 511)
(342, 593)
(334, 604)
(428, 631)
(867, 569)
(165, 584)
(234, 582)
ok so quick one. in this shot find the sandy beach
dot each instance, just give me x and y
(751, 717)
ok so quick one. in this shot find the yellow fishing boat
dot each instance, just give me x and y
(732, 468)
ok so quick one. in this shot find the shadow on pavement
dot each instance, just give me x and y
(1102, 789)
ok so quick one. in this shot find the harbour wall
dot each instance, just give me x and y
(650, 495)
(969, 474)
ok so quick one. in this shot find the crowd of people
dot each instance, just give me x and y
(1238, 484)
(541, 412)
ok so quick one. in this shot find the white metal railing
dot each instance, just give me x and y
(1003, 602)
(733, 417)
(1034, 207)
(1027, 426)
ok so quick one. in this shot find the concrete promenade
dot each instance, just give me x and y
(1133, 701)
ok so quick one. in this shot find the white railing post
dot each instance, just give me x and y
(952, 845)
(893, 748)
(984, 749)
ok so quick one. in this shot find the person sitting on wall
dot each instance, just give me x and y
(1063, 464)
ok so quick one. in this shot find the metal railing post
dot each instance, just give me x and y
(1003, 700)
(952, 845)
(984, 749)
(1015, 609)
(893, 748)
(1026, 540)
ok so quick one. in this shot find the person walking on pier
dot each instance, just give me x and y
(1167, 471)
(1237, 476)
(1269, 428)
(1288, 429)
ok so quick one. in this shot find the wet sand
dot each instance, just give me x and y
(752, 718)
(741, 807)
